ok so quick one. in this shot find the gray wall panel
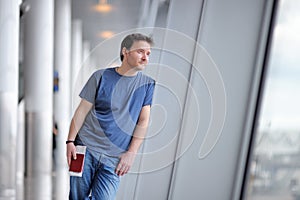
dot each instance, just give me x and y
(229, 33)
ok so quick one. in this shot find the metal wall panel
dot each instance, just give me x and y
(229, 35)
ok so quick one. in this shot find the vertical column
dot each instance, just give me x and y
(76, 60)
(62, 103)
(38, 82)
(152, 13)
(86, 62)
(9, 37)
(145, 5)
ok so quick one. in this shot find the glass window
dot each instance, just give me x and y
(274, 171)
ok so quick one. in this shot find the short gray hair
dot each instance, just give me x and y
(129, 39)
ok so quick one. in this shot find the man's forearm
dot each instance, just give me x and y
(78, 119)
(138, 137)
(74, 128)
(127, 159)
(140, 130)
(76, 123)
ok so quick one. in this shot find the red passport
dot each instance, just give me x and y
(77, 165)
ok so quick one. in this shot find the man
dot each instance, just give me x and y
(111, 121)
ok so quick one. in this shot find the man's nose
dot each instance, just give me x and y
(145, 57)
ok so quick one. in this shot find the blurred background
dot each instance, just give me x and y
(225, 117)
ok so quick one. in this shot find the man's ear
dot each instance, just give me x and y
(124, 51)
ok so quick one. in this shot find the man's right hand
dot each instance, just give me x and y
(71, 151)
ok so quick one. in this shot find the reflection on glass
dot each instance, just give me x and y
(275, 165)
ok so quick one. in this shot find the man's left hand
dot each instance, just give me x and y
(126, 161)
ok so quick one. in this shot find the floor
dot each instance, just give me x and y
(53, 186)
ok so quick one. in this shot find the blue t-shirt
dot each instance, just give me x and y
(117, 101)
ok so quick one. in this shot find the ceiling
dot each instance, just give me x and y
(124, 15)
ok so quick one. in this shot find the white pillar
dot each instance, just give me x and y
(151, 18)
(20, 159)
(9, 38)
(145, 5)
(86, 62)
(38, 79)
(62, 103)
(76, 60)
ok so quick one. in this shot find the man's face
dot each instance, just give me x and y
(138, 55)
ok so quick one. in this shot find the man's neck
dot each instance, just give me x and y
(125, 70)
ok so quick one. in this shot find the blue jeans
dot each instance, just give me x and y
(98, 181)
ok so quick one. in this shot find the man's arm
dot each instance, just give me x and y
(76, 123)
(140, 131)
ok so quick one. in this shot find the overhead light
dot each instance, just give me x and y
(106, 34)
(102, 7)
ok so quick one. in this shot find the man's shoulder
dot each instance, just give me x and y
(147, 78)
(98, 73)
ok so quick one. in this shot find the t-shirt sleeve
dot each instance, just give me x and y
(149, 94)
(90, 88)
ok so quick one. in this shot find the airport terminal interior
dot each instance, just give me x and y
(225, 118)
